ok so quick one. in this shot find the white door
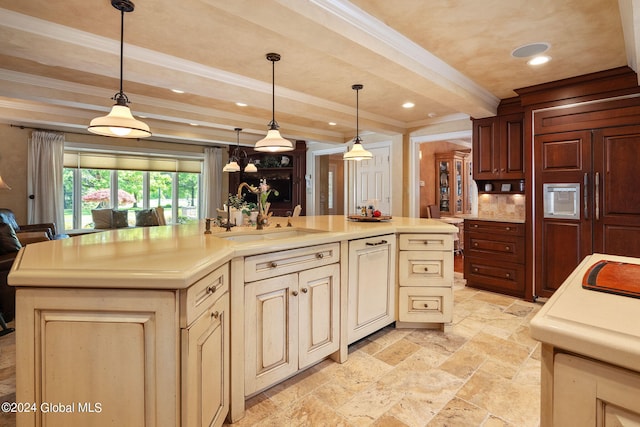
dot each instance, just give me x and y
(373, 180)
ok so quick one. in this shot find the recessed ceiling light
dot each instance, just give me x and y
(539, 60)
(194, 124)
(241, 104)
(530, 49)
(332, 123)
(177, 91)
(432, 115)
(408, 105)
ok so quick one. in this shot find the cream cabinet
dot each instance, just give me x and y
(292, 320)
(205, 352)
(425, 278)
(592, 393)
(124, 356)
(371, 296)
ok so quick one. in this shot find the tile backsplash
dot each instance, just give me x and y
(507, 206)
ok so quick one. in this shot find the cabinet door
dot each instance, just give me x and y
(485, 151)
(114, 347)
(445, 178)
(589, 393)
(318, 313)
(205, 367)
(511, 149)
(271, 331)
(371, 285)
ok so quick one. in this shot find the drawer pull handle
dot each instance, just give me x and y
(475, 225)
(508, 275)
(294, 293)
(426, 242)
(475, 244)
(475, 269)
(426, 305)
(426, 269)
(508, 228)
(273, 265)
(215, 315)
(507, 248)
(319, 255)
(211, 289)
(381, 242)
(304, 290)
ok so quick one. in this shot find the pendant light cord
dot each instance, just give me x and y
(121, 47)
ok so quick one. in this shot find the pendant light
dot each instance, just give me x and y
(357, 152)
(273, 142)
(120, 122)
(4, 185)
(236, 156)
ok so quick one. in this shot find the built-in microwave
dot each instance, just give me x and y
(561, 200)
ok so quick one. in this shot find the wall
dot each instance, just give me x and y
(14, 153)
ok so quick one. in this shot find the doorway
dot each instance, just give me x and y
(329, 194)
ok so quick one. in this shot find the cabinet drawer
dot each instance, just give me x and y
(425, 268)
(196, 299)
(495, 227)
(502, 248)
(259, 267)
(503, 277)
(426, 242)
(419, 304)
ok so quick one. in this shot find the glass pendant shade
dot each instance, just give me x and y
(232, 166)
(357, 153)
(273, 143)
(251, 168)
(119, 123)
(3, 185)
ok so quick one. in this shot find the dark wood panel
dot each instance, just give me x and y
(561, 252)
(564, 154)
(506, 248)
(500, 227)
(484, 150)
(511, 146)
(621, 240)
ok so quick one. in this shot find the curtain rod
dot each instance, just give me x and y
(137, 139)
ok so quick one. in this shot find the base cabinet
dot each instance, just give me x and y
(371, 285)
(591, 393)
(291, 322)
(425, 279)
(495, 256)
(124, 357)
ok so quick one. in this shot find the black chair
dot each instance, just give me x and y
(9, 247)
(7, 217)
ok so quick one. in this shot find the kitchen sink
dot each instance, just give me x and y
(275, 234)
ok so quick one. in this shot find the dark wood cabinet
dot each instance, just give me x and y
(498, 147)
(284, 172)
(495, 256)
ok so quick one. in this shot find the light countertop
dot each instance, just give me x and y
(173, 257)
(595, 324)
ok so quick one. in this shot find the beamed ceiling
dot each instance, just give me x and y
(59, 61)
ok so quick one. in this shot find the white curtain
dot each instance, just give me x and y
(211, 181)
(44, 179)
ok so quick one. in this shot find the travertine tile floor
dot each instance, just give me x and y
(485, 372)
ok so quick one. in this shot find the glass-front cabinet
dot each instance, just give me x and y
(451, 183)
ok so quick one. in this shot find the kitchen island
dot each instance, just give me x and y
(591, 351)
(171, 326)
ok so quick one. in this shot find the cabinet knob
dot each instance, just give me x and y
(211, 289)
(294, 293)
(508, 228)
(508, 275)
(507, 248)
(475, 225)
(475, 244)
(273, 265)
(426, 269)
(426, 305)
(475, 269)
(304, 290)
(215, 315)
(319, 255)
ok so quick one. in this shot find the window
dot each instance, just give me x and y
(103, 180)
